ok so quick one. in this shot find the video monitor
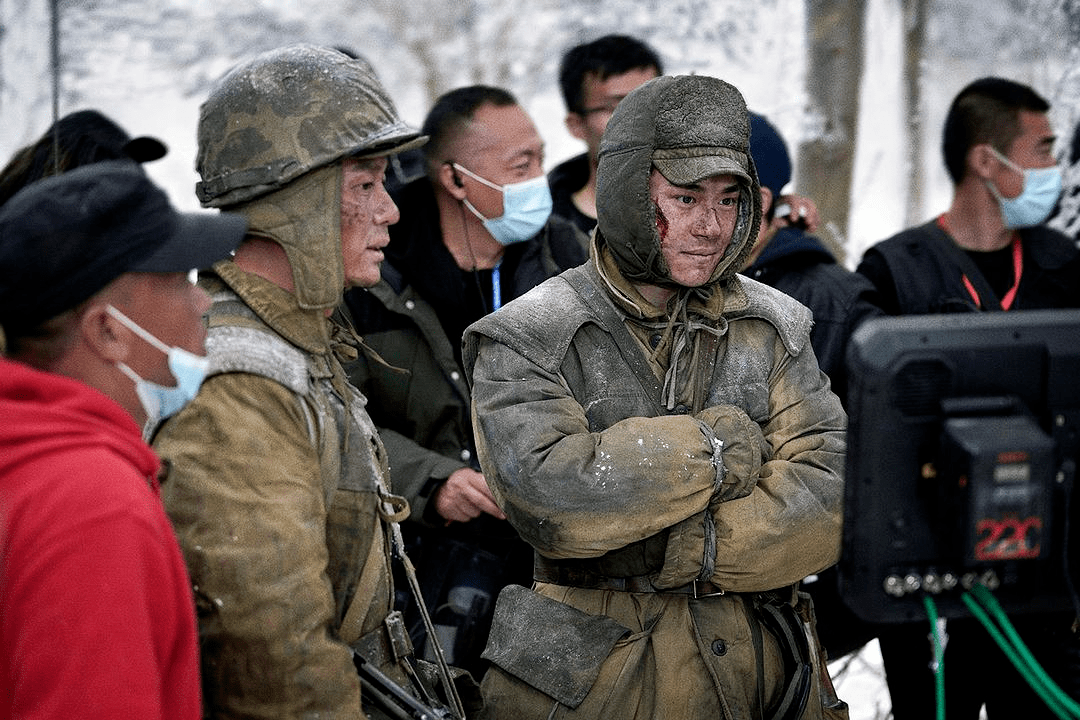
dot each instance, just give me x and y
(962, 452)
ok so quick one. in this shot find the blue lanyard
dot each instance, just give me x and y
(496, 288)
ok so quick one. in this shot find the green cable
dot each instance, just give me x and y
(989, 601)
(1010, 652)
(984, 596)
(1045, 688)
(939, 656)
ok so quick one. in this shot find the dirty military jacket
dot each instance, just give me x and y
(273, 492)
(589, 469)
(677, 470)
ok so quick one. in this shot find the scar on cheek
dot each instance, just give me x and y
(661, 223)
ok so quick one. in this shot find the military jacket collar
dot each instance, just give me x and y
(307, 329)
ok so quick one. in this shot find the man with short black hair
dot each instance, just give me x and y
(594, 77)
(989, 252)
(104, 337)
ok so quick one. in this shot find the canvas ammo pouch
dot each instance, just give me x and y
(549, 645)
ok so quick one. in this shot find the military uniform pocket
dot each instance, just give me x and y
(549, 645)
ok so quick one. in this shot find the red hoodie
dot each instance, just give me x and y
(96, 613)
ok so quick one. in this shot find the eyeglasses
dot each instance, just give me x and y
(607, 108)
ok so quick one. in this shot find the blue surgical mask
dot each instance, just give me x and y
(1042, 188)
(160, 401)
(526, 208)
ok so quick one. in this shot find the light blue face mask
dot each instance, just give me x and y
(188, 369)
(526, 207)
(1042, 188)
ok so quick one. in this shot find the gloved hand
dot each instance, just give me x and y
(739, 450)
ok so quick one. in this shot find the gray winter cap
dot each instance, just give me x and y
(689, 165)
(689, 127)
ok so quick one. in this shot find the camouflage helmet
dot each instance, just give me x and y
(287, 112)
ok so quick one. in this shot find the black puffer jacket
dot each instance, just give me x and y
(800, 265)
(565, 179)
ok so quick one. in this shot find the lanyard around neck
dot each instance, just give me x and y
(1018, 271)
(496, 287)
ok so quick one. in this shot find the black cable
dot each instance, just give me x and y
(474, 270)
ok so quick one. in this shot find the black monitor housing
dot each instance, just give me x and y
(962, 452)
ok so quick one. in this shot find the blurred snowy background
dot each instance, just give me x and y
(149, 63)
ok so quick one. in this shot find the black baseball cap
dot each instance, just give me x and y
(77, 139)
(64, 238)
(93, 129)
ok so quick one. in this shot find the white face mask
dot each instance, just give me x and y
(1042, 188)
(526, 208)
(160, 401)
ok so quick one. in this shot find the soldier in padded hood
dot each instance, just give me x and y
(278, 482)
(657, 428)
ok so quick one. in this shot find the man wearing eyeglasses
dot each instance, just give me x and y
(594, 77)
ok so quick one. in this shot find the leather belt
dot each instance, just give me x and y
(558, 574)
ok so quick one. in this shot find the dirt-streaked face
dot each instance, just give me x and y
(695, 224)
(366, 214)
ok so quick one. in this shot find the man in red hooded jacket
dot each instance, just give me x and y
(103, 336)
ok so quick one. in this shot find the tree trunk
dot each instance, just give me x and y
(25, 73)
(915, 12)
(834, 70)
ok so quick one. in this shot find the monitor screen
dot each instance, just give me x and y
(962, 451)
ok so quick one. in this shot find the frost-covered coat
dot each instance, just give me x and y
(657, 446)
(272, 489)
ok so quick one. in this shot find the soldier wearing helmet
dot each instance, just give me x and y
(656, 426)
(277, 480)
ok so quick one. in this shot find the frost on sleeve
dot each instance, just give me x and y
(572, 492)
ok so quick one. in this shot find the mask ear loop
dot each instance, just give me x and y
(465, 228)
(131, 374)
(476, 177)
(135, 328)
(1009, 164)
(465, 201)
(1006, 160)
(457, 178)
